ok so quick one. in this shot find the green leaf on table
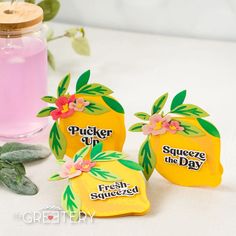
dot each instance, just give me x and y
(80, 45)
(63, 86)
(81, 153)
(19, 168)
(50, 8)
(209, 127)
(51, 60)
(30, 1)
(18, 152)
(49, 99)
(55, 177)
(94, 90)
(189, 129)
(71, 203)
(72, 32)
(113, 104)
(57, 142)
(137, 127)
(46, 111)
(103, 175)
(96, 149)
(83, 80)
(147, 159)
(131, 164)
(95, 108)
(108, 156)
(142, 116)
(178, 99)
(159, 104)
(18, 184)
(190, 111)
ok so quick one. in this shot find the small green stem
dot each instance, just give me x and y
(57, 37)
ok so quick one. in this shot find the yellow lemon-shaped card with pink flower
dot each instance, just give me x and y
(102, 184)
(84, 118)
(181, 144)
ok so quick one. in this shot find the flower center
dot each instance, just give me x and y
(158, 126)
(65, 108)
(172, 127)
(86, 166)
(72, 170)
(80, 105)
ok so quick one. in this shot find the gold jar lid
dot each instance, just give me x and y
(19, 16)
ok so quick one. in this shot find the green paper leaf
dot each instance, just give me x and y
(147, 159)
(108, 156)
(81, 153)
(55, 177)
(209, 127)
(113, 104)
(96, 149)
(137, 127)
(46, 111)
(57, 142)
(95, 90)
(178, 99)
(18, 152)
(142, 116)
(49, 99)
(80, 45)
(103, 175)
(189, 129)
(95, 108)
(131, 164)
(159, 104)
(18, 184)
(83, 80)
(190, 111)
(71, 203)
(50, 8)
(51, 60)
(63, 86)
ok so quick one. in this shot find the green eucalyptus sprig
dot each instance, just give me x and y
(76, 35)
(12, 170)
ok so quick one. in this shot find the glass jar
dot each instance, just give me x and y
(23, 69)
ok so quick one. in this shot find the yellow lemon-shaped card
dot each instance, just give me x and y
(182, 145)
(103, 185)
(87, 117)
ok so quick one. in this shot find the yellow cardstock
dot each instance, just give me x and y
(182, 146)
(84, 118)
(102, 184)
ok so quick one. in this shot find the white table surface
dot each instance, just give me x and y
(150, 65)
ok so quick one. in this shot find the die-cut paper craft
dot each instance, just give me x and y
(104, 185)
(182, 145)
(87, 117)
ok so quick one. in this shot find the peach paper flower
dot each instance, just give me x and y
(156, 125)
(69, 171)
(84, 165)
(173, 127)
(79, 105)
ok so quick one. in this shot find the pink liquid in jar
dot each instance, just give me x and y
(23, 82)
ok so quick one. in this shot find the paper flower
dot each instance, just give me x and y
(84, 165)
(63, 110)
(69, 170)
(156, 125)
(173, 126)
(79, 104)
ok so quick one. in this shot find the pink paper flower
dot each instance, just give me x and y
(84, 165)
(63, 110)
(156, 125)
(69, 171)
(79, 105)
(173, 126)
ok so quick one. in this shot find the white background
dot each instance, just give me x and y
(213, 19)
(139, 68)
